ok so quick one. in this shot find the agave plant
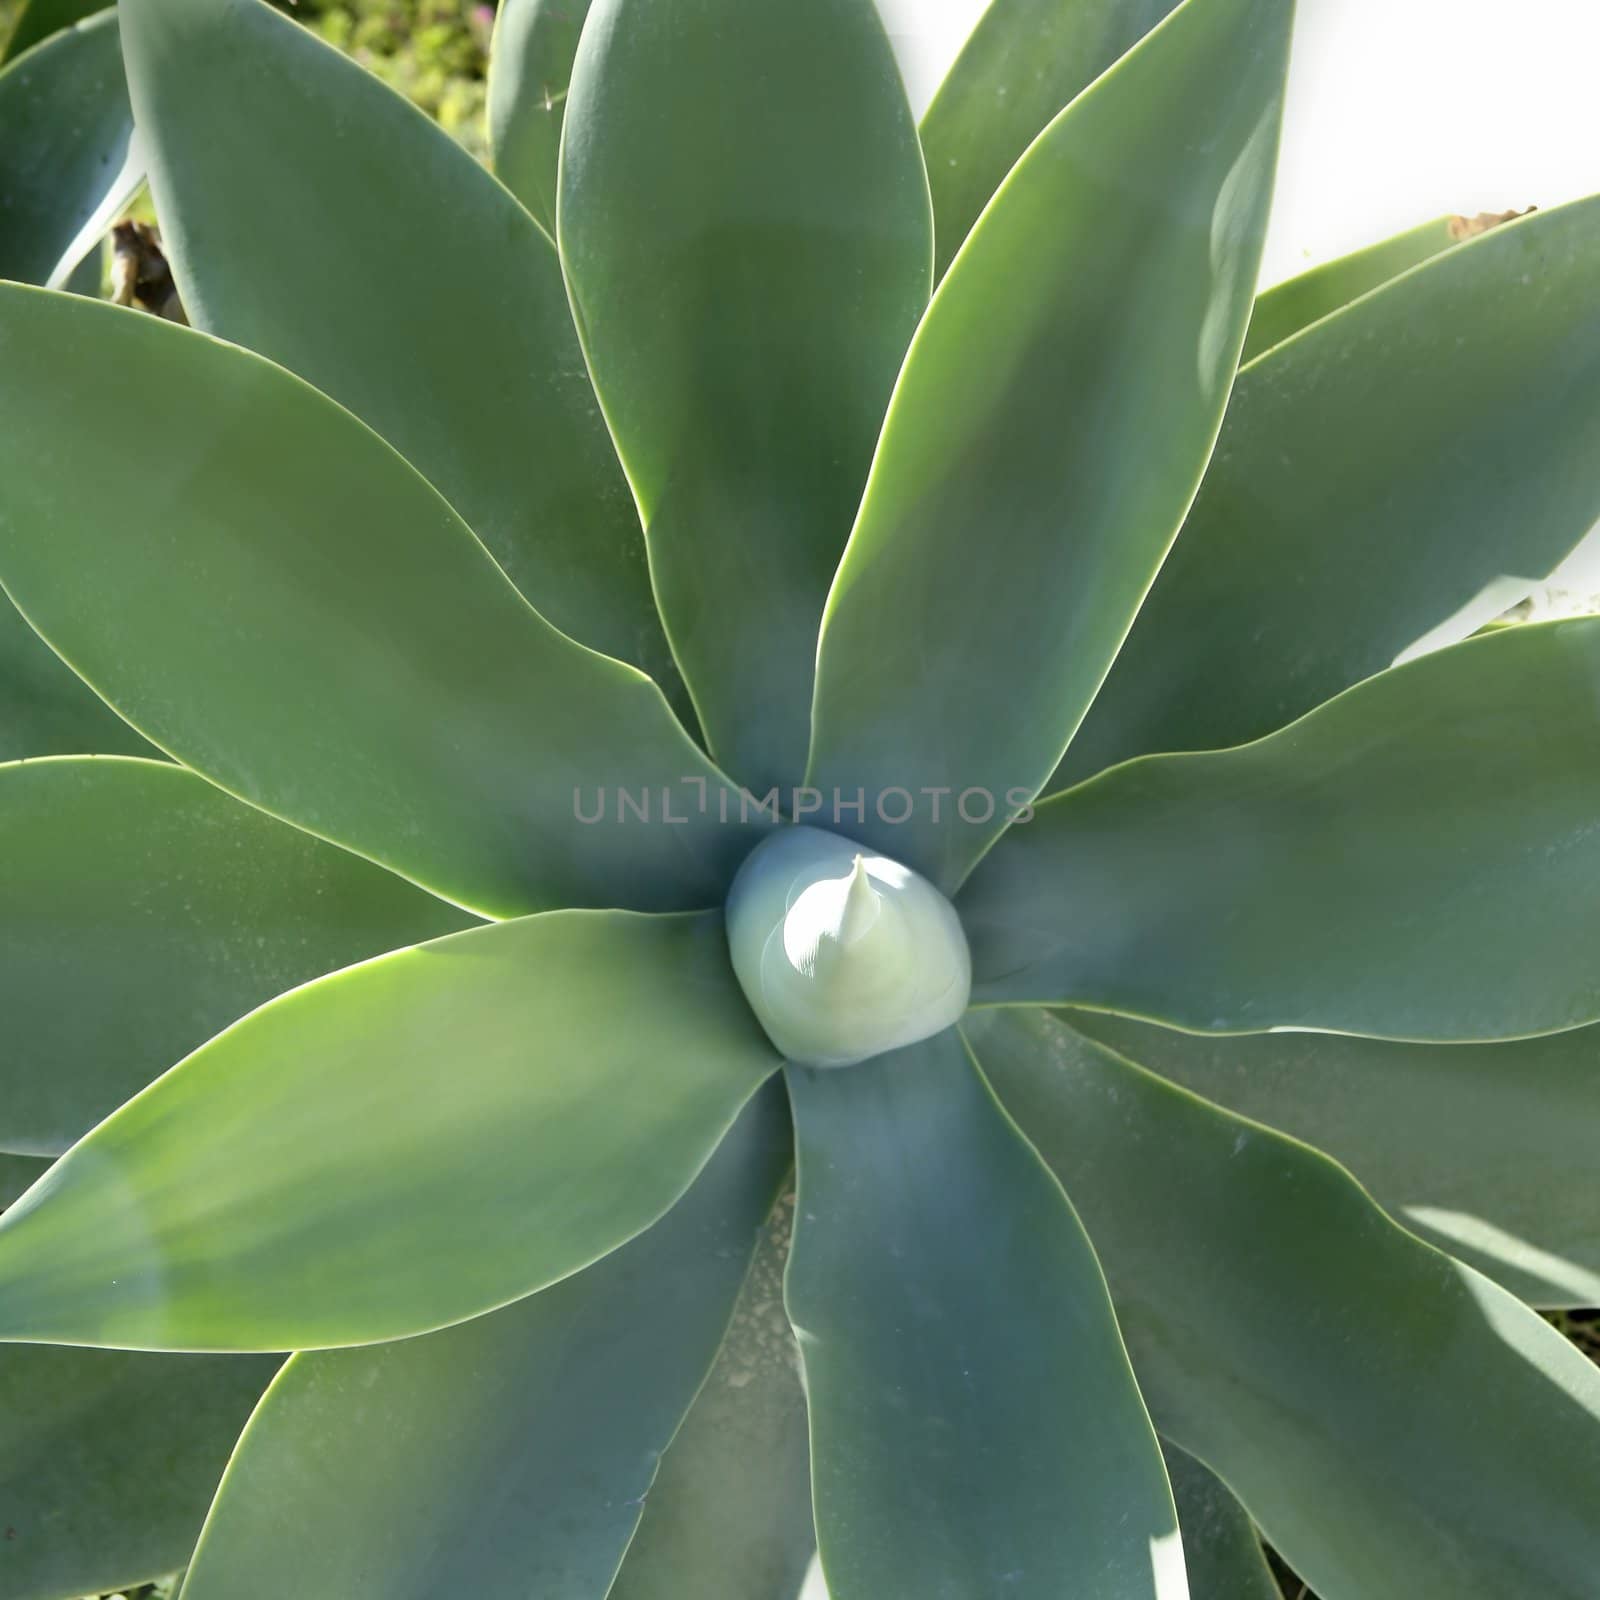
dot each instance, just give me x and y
(1171, 1007)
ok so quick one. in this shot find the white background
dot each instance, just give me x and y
(1398, 111)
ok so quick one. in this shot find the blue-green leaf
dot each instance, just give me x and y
(974, 1424)
(746, 231)
(397, 1147)
(1396, 1424)
(1482, 1149)
(330, 642)
(142, 911)
(1410, 861)
(315, 216)
(1023, 62)
(518, 1448)
(1375, 477)
(1046, 437)
(1220, 1547)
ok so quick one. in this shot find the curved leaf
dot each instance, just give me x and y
(730, 1510)
(1023, 62)
(1483, 1149)
(518, 1447)
(18, 1174)
(141, 911)
(1397, 1424)
(38, 19)
(975, 1429)
(397, 1147)
(68, 161)
(1285, 310)
(108, 1460)
(1374, 476)
(329, 642)
(1016, 511)
(1409, 862)
(746, 232)
(530, 67)
(315, 216)
(1220, 1547)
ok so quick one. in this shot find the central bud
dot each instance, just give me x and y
(843, 954)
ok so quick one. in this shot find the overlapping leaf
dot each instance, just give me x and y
(517, 1448)
(1374, 477)
(745, 289)
(329, 641)
(975, 1428)
(1397, 1424)
(1017, 511)
(315, 216)
(1402, 863)
(1220, 1548)
(396, 1147)
(1481, 1149)
(142, 911)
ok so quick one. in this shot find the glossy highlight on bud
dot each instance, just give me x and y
(841, 953)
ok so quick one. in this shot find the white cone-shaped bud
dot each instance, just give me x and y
(843, 954)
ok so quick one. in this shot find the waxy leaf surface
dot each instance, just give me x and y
(296, 614)
(745, 224)
(397, 1147)
(1400, 1427)
(508, 1456)
(1049, 430)
(1374, 477)
(974, 1424)
(141, 911)
(1408, 862)
(1220, 1548)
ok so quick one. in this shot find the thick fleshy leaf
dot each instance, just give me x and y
(331, 643)
(1024, 61)
(1283, 311)
(1409, 861)
(974, 1424)
(746, 231)
(1374, 476)
(68, 163)
(17, 1174)
(1481, 1149)
(530, 66)
(143, 910)
(1400, 1427)
(508, 1456)
(1016, 512)
(397, 1147)
(730, 1510)
(108, 1460)
(1220, 1547)
(314, 215)
(38, 19)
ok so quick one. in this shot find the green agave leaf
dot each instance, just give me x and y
(1023, 62)
(1484, 1149)
(38, 19)
(518, 1448)
(1398, 1425)
(1375, 476)
(1016, 512)
(1220, 1547)
(1408, 861)
(1282, 312)
(18, 1174)
(68, 159)
(108, 1461)
(530, 66)
(143, 910)
(730, 1510)
(330, 643)
(317, 217)
(397, 1147)
(974, 1425)
(745, 289)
